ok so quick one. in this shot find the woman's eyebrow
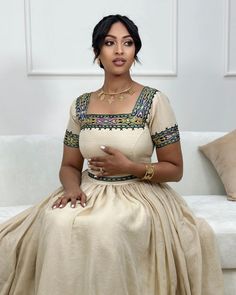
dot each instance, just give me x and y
(112, 36)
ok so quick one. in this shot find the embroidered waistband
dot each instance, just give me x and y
(112, 178)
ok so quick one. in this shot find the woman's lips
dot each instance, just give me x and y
(119, 62)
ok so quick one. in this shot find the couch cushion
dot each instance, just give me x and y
(221, 215)
(222, 154)
(200, 177)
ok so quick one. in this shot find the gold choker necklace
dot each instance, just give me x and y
(119, 95)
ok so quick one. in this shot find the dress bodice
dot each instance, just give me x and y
(151, 124)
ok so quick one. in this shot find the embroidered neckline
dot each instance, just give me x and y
(132, 120)
(113, 115)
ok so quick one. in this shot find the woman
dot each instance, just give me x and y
(116, 228)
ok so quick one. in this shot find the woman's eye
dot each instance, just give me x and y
(108, 43)
(129, 43)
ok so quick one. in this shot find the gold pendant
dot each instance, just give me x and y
(131, 91)
(111, 96)
(111, 99)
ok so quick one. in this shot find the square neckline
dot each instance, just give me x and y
(117, 114)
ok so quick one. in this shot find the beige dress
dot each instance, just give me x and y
(132, 238)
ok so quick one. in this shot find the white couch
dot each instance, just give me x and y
(29, 168)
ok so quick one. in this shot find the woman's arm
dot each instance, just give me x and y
(168, 168)
(71, 167)
(70, 177)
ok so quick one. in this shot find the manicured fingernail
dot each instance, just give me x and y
(54, 207)
(102, 147)
(84, 204)
(60, 206)
(73, 205)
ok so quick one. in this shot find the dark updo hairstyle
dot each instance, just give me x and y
(102, 28)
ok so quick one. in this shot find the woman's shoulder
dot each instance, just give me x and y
(154, 95)
(159, 102)
(80, 101)
(79, 104)
(155, 91)
(158, 95)
(82, 97)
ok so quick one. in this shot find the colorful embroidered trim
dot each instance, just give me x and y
(71, 139)
(112, 122)
(167, 136)
(136, 119)
(112, 178)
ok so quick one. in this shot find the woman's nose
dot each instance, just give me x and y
(119, 48)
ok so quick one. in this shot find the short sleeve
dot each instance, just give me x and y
(71, 138)
(162, 122)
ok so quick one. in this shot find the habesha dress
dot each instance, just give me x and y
(132, 238)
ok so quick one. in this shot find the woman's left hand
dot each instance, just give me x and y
(113, 163)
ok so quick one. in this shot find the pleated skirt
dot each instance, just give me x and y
(132, 238)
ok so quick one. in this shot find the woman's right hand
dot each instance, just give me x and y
(70, 196)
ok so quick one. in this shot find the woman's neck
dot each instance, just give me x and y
(116, 84)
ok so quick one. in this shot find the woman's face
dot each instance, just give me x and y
(118, 50)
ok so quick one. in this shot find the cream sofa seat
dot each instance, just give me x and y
(29, 168)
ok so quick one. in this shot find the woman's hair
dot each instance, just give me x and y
(102, 28)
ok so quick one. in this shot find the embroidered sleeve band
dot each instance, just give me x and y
(71, 139)
(167, 136)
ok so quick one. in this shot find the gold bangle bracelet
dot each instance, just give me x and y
(149, 172)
